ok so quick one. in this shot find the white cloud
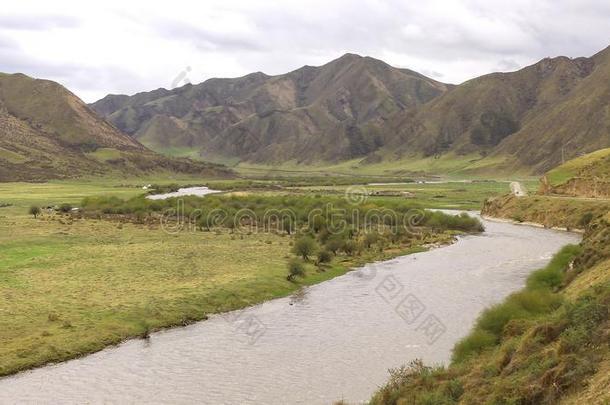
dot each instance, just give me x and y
(125, 47)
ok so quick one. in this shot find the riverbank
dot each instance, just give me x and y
(534, 224)
(550, 212)
(547, 344)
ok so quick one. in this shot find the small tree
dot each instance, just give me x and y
(370, 238)
(34, 210)
(334, 244)
(324, 256)
(350, 247)
(304, 247)
(295, 269)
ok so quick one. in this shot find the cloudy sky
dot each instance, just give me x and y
(128, 46)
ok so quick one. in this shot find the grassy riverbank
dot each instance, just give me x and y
(547, 344)
(72, 285)
(562, 212)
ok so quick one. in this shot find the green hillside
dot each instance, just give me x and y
(47, 132)
(586, 176)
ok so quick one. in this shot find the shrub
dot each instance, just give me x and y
(370, 238)
(586, 219)
(295, 269)
(334, 244)
(350, 247)
(304, 247)
(65, 208)
(454, 389)
(324, 256)
(34, 211)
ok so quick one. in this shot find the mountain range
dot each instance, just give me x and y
(47, 132)
(323, 113)
(355, 110)
(362, 109)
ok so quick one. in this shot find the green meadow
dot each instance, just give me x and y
(71, 285)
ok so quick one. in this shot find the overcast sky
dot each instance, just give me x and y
(128, 46)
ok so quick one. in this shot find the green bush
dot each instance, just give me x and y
(295, 269)
(34, 211)
(349, 247)
(324, 256)
(334, 244)
(370, 238)
(454, 389)
(304, 247)
(493, 319)
(586, 219)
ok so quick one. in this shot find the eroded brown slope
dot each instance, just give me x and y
(330, 112)
(47, 132)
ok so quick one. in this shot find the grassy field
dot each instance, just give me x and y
(21, 195)
(449, 165)
(592, 164)
(449, 195)
(75, 286)
(71, 286)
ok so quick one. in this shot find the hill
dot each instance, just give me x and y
(325, 113)
(361, 109)
(531, 118)
(47, 132)
(585, 176)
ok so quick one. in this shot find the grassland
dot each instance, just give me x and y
(449, 165)
(596, 163)
(71, 286)
(446, 195)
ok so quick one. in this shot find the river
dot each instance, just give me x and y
(183, 192)
(335, 340)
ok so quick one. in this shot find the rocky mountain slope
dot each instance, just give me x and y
(330, 112)
(361, 108)
(47, 132)
(528, 118)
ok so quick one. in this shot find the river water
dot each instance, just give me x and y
(333, 341)
(183, 192)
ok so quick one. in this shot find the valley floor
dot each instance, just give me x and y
(72, 286)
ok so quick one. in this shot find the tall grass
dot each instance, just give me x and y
(535, 300)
